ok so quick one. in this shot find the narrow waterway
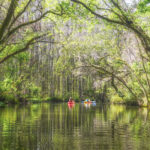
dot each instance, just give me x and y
(79, 127)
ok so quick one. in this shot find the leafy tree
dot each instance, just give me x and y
(18, 25)
(119, 13)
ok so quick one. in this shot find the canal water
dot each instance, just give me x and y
(79, 127)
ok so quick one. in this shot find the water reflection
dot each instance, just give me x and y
(88, 105)
(54, 126)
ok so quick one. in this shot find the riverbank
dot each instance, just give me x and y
(34, 100)
(11, 100)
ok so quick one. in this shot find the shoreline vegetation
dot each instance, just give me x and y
(59, 100)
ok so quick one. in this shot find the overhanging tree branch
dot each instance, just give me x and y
(96, 14)
(28, 23)
(123, 20)
(8, 17)
(19, 14)
(99, 68)
(28, 44)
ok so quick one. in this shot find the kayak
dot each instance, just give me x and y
(71, 102)
(89, 102)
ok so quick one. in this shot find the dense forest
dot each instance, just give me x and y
(54, 49)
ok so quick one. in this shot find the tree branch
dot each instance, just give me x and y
(8, 17)
(28, 44)
(111, 73)
(98, 15)
(28, 23)
(19, 14)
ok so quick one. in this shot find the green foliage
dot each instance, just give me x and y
(74, 11)
(144, 6)
(2, 104)
(7, 91)
(77, 98)
(12, 91)
(90, 48)
(22, 57)
(34, 90)
(116, 99)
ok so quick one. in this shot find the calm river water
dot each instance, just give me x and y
(81, 127)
